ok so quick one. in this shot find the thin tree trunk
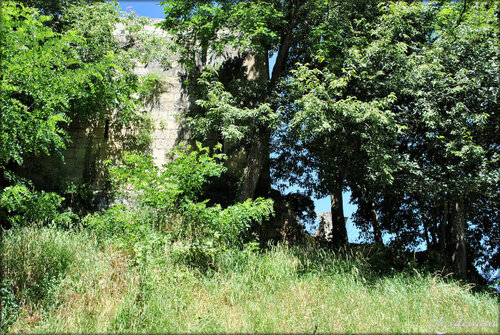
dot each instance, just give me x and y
(426, 230)
(256, 173)
(339, 232)
(442, 229)
(376, 226)
(433, 225)
(284, 47)
(457, 247)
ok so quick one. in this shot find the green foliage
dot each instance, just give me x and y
(144, 44)
(333, 132)
(48, 78)
(53, 73)
(168, 199)
(83, 72)
(236, 124)
(340, 129)
(119, 223)
(235, 104)
(33, 95)
(185, 175)
(440, 59)
(26, 206)
(56, 7)
(203, 29)
(398, 102)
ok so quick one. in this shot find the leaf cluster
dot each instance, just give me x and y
(204, 29)
(224, 115)
(167, 199)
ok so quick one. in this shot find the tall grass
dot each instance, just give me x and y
(68, 282)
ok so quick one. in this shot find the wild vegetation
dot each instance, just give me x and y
(395, 101)
(67, 281)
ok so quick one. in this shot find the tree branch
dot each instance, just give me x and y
(461, 14)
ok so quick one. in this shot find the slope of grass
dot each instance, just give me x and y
(69, 282)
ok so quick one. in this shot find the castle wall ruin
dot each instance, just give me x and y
(95, 141)
(92, 142)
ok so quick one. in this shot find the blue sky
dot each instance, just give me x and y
(152, 9)
(148, 8)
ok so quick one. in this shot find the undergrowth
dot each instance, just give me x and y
(72, 281)
(164, 260)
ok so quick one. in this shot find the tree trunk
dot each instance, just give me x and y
(457, 239)
(442, 228)
(256, 161)
(376, 226)
(426, 230)
(339, 232)
(256, 173)
(433, 225)
(282, 56)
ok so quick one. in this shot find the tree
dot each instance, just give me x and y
(49, 78)
(168, 198)
(332, 136)
(292, 30)
(204, 31)
(458, 114)
(56, 7)
(341, 139)
(439, 60)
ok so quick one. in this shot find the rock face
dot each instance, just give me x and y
(167, 109)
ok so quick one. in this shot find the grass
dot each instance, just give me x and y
(65, 281)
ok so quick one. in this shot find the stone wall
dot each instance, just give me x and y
(166, 113)
(92, 142)
(95, 141)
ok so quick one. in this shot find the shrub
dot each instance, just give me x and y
(167, 198)
(127, 225)
(25, 206)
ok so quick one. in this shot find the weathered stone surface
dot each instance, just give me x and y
(325, 226)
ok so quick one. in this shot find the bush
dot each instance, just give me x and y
(167, 199)
(26, 206)
(119, 222)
